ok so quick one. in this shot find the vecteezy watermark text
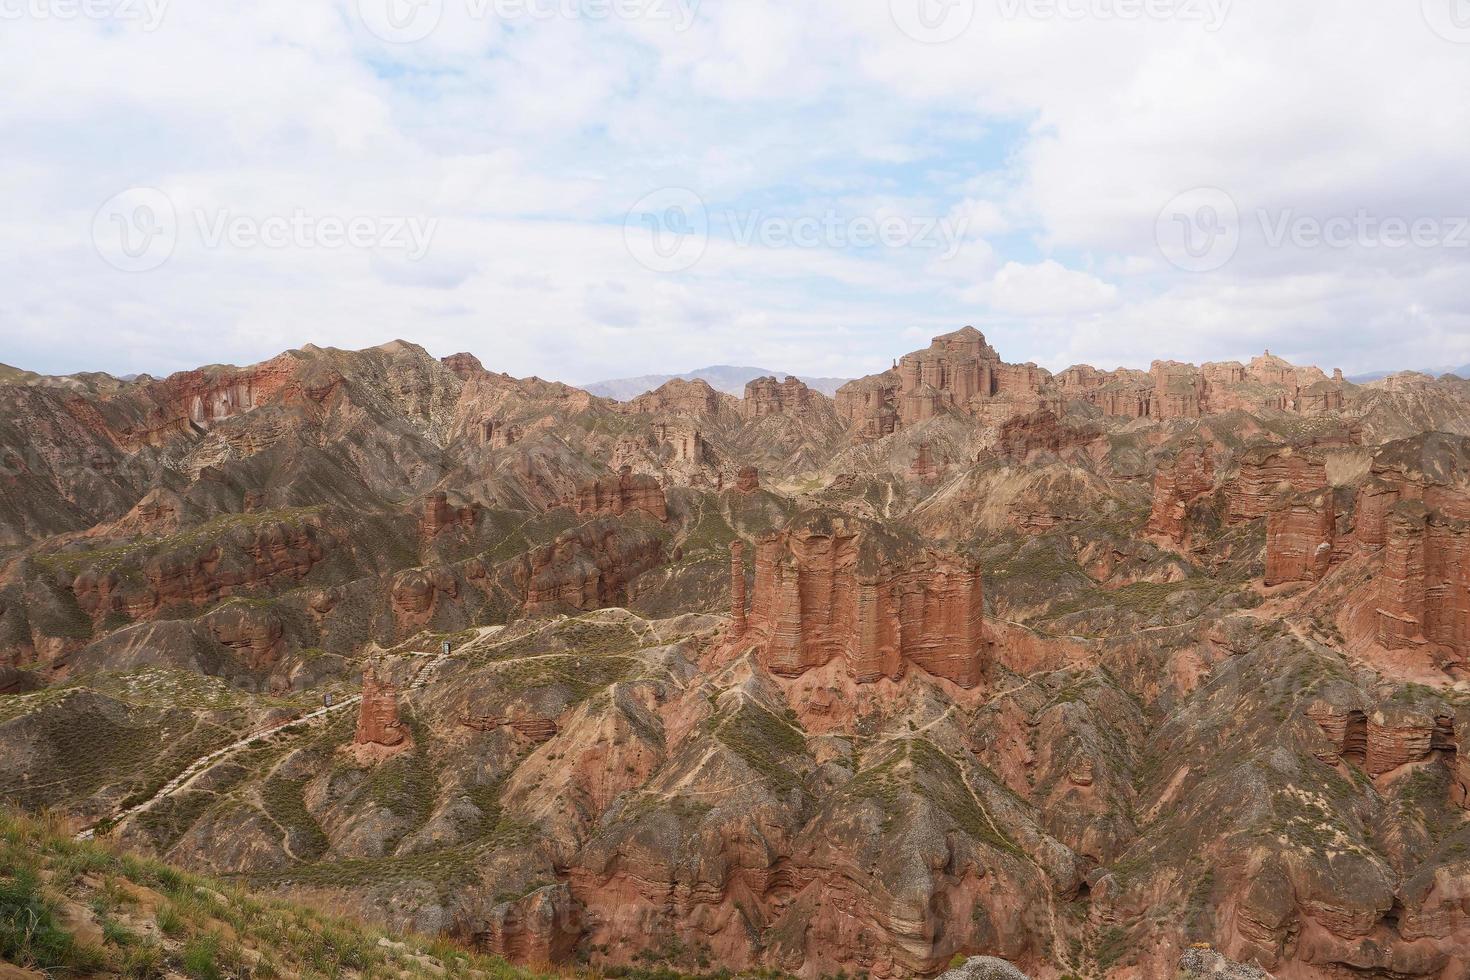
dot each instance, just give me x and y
(139, 229)
(1201, 230)
(670, 230)
(147, 14)
(941, 21)
(409, 21)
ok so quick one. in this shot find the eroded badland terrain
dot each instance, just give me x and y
(1075, 670)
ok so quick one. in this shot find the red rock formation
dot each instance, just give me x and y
(1346, 729)
(958, 372)
(622, 494)
(1042, 431)
(499, 435)
(1180, 391)
(737, 588)
(748, 480)
(439, 515)
(1177, 483)
(242, 558)
(827, 587)
(254, 633)
(923, 468)
(1301, 532)
(1265, 471)
(868, 405)
(767, 396)
(1398, 735)
(377, 712)
(1424, 587)
(686, 442)
(532, 727)
(677, 397)
(415, 594)
(464, 365)
(540, 928)
(587, 568)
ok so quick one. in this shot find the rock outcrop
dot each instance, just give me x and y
(377, 712)
(958, 372)
(767, 396)
(588, 567)
(439, 515)
(622, 494)
(1424, 588)
(1263, 472)
(198, 570)
(1301, 533)
(828, 588)
(737, 588)
(1178, 482)
(678, 397)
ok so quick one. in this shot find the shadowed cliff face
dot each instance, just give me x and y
(1075, 670)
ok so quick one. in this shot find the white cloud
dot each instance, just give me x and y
(1054, 142)
(1045, 289)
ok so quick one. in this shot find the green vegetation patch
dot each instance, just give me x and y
(768, 744)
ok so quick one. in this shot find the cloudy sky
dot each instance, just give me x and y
(583, 189)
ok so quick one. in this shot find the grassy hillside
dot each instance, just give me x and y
(70, 908)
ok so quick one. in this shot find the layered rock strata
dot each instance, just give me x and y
(377, 712)
(829, 587)
(622, 494)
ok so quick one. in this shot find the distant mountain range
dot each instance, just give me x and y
(1463, 371)
(721, 377)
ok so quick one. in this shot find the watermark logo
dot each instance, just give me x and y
(1450, 19)
(1362, 230)
(1209, 14)
(139, 229)
(932, 21)
(409, 21)
(668, 230)
(1199, 230)
(136, 230)
(401, 21)
(145, 14)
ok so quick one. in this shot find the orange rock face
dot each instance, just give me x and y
(767, 396)
(748, 480)
(622, 494)
(1424, 589)
(923, 468)
(247, 557)
(464, 365)
(1042, 431)
(255, 634)
(587, 568)
(678, 397)
(439, 515)
(737, 588)
(1176, 484)
(377, 712)
(1264, 472)
(958, 372)
(1301, 532)
(827, 588)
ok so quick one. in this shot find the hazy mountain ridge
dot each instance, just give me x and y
(722, 377)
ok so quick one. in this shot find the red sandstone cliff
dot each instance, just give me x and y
(377, 713)
(829, 587)
(1177, 483)
(621, 494)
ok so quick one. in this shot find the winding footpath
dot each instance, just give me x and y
(206, 762)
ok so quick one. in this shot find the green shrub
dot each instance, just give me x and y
(200, 958)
